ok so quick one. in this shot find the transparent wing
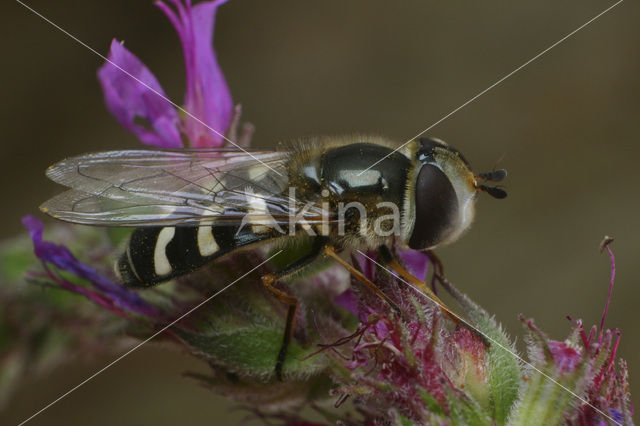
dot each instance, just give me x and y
(150, 188)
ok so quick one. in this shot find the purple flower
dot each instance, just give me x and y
(131, 101)
(207, 96)
(103, 291)
(138, 102)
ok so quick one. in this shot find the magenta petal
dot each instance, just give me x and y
(207, 97)
(564, 356)
(366, 263)
(348, 301)
(132, 102)
(416, 261)
(109, 294)
(382, 331)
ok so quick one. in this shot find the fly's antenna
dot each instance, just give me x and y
(494, 191)
(493, 176)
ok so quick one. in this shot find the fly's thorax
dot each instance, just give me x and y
(359, 181)
(367, 183)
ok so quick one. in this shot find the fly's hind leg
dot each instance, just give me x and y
(269, 280)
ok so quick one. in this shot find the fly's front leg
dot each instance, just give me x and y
(269, 280)
(388, 258)
(331, 252)
(438, 269)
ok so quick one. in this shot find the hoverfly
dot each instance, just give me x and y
(191, 207)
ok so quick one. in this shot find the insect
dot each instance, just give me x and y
(341, 194)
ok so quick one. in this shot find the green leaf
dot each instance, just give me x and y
(118, 235)
(16, 258)
(271, 396)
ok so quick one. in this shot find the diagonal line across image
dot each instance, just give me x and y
(502, 79)
(151, 89)
(492, 340)
(145, 341)
(479, 94)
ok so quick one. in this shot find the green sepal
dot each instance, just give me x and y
(545, 396)
(252, 351)
(503, 368)
(465, 412)
(432, 404)
(399, 419)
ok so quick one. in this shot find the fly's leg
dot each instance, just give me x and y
(393, 263)
(269, 280)
(438, 269)
(291, 301)
(331, 252)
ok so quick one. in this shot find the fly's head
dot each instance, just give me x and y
(445, 191)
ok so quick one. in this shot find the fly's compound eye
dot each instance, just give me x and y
(436, 208)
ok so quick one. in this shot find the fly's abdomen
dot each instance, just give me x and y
(157, 254)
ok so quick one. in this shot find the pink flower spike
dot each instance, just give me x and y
(592, 334)
(207, 95)
(612, 357)
(132, 94)
(613, 277)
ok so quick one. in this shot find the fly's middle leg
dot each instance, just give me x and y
(269, 281)
(292, 303)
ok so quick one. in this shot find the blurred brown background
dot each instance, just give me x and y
(567, 126)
